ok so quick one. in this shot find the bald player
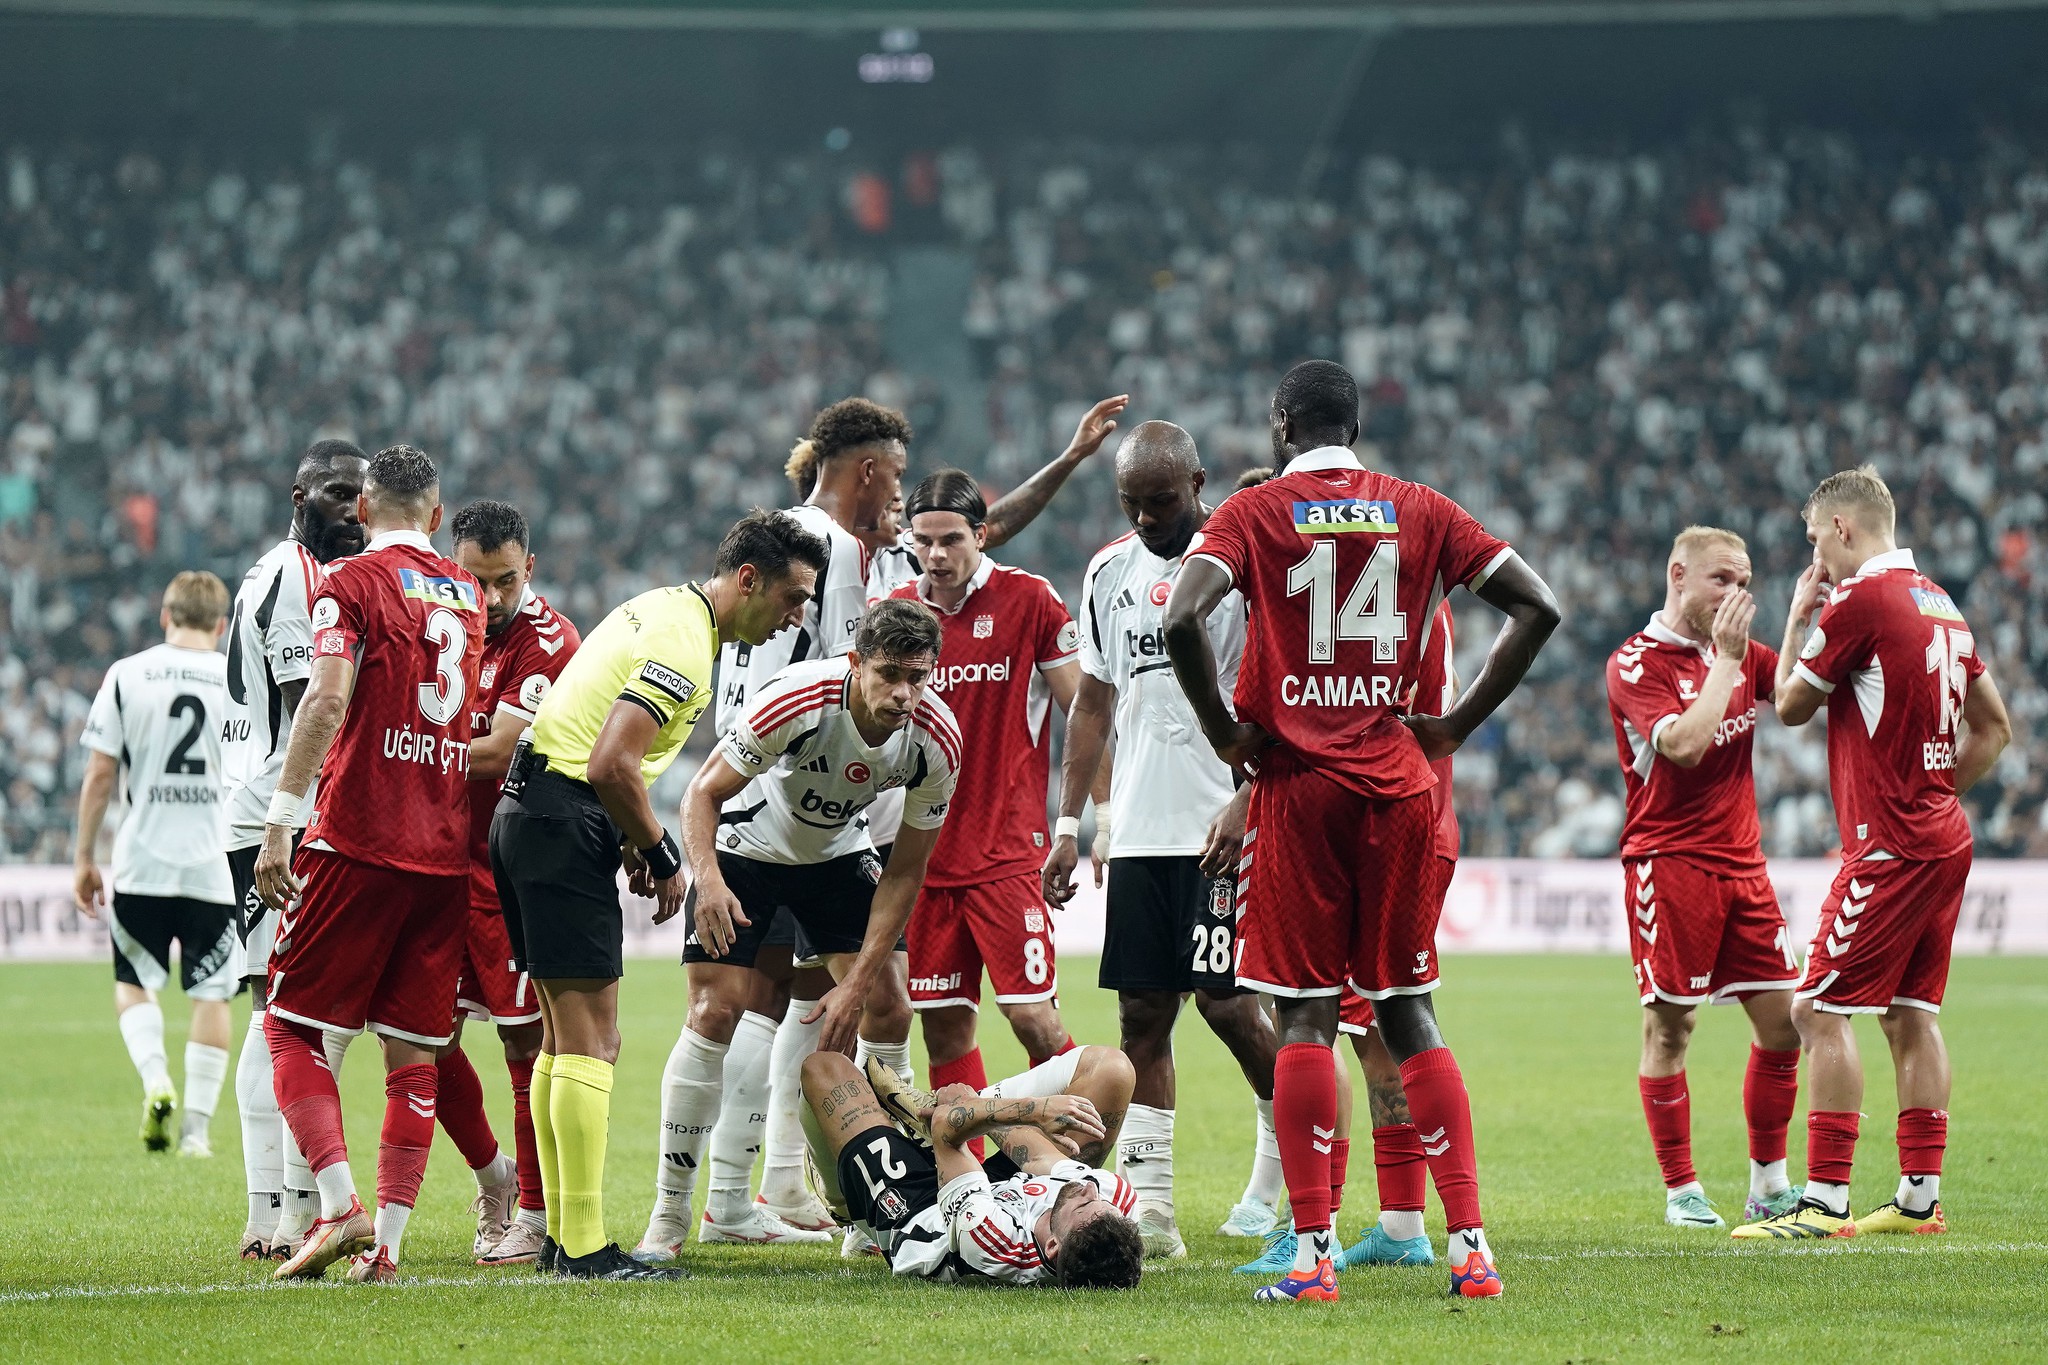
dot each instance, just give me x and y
(1171, 823)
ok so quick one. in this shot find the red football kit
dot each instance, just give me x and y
(1704, 920)
(1896, 660)
(376, 937)
(519, 664)
(1343, 570)
(981, 902)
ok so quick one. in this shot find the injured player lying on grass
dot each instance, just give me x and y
(897, 1162)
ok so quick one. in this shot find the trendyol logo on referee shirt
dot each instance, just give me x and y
(1345, 514)
(443, 592)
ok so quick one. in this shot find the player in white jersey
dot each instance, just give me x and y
(813, 751)
(270, 657)
(156, 722)
(1040, 1211)
(1170, 829)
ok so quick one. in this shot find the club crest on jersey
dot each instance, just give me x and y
(488, 676)
(984, 626)
(442, 592)
(1160, 592)
(1939, 605)
(858, 772)
(1345, 514)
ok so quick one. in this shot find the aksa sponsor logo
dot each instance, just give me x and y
(1346, 514)
(444, 592)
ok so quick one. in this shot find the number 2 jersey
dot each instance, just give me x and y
(979, 1228)
(1342, 570)
(1896, 659)
(394, 788)
(158, 714)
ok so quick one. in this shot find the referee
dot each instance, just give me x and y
(575, 807)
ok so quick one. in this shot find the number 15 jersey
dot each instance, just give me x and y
(1342, 570)
(394, 788)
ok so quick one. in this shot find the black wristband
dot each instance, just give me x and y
(663, 858)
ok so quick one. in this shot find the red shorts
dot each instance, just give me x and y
(1335, 888)
(370, 946)
(1002, 924)
(1699, 937)
(1884, 935)
(492, 987)
(1354, 1011)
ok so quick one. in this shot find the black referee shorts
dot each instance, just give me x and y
(1168, 927)
(828, 901)
(555, 857)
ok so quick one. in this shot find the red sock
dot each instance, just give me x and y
(1066, 1045)
(461, 1104)
(1770, 1091)
(1443, 1124)
(1305, 1121)
(1340, 1162)
(1831, 1144)
(408, 1133)
(1667, 1104)
(524, 1152)
(306, 1093)
(1397, 1161)
(963, 1070)
(1923, 1136)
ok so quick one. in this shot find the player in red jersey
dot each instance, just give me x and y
(1342, 570)
(1008, 657)
(1704, 922)
(1914, 720)
(526, 643)
(380, 881)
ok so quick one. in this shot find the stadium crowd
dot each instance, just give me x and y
(1587, 349)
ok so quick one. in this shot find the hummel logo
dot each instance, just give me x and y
(1645, 893)
(1649, 933)
(1321, 1138)
(1123, 599)
(423, 1107)
(1630, 675)
(1435, 1144)
(820, 764)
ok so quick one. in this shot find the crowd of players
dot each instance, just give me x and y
(1593, 343)
(433, 787)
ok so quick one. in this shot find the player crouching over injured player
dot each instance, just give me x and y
(1038, 1212)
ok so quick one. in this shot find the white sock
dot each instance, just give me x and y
(1145, 1154)
(301, 1207)
(1050, 1077)
(337, 1190)
(297, 1174)
(1267, 1182)
(1767, 1178)
(335, 1046)
(391, 1220)
(1312, 1248)
(536, 1219)
(1917, 1193)
(1463, 1244)
(692, 1084)
(499, 1170)
(206, 1071)
(742, 1117)
(1833, 1198)
(782, 1173)
(142, 1028)
(895, 1056)
(1403, 1225)
(1680, 1191)
(262, 1149)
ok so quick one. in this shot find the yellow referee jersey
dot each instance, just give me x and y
(654, 652)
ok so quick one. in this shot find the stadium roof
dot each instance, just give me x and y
(998, 16)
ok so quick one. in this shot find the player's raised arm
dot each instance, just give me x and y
(318, 721)
(1798, 697)
(1986, 731)
(1688, 739)
(1019, 507)
(1514, 588)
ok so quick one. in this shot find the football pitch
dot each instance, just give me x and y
(108, 1252)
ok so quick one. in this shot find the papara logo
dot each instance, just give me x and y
(1345, 514)
(952, 675)
(444, 592)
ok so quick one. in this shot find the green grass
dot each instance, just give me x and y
(107, 1252)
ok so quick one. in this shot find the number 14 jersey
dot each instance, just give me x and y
(1342, 570)
(394, 788)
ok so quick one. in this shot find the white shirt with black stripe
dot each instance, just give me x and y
(270, 643)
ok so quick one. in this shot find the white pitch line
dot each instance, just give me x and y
(1821, 1247)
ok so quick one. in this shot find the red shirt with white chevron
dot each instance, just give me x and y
(1707, 813)
(1896, 659)
(519, 664)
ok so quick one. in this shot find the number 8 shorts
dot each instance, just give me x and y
(1168, 927)
(1002, 924)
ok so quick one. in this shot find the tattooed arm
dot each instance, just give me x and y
(1044, 1130)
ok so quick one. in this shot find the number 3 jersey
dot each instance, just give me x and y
(1895, 658)
(1342, 570)
(814, 775)
(394, 788)
(158, 714)
(978, 1228)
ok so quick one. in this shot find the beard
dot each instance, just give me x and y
(332, 540)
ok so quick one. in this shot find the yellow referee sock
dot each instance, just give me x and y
(539, 1096)
(580, 1103)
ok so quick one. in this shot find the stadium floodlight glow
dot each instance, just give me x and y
(896, 68)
